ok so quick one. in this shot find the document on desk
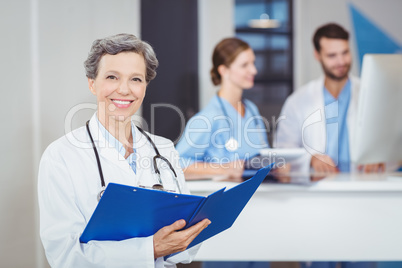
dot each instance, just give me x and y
(125, 212)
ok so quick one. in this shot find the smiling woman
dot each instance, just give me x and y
(118, 68)
(119, 87)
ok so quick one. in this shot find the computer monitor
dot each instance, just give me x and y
(378, 134)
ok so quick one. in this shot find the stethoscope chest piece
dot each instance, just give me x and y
(231, 145)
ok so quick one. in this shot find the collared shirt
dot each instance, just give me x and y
(209, 130)
(131, 159)
(337, 146)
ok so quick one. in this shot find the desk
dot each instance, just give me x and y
(344, 217)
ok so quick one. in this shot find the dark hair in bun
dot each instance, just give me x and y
(225, 53)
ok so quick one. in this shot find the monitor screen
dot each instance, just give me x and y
(378, 134)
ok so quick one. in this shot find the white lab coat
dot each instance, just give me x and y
(302, 122)
(68, 186)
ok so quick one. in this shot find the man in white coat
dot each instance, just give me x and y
(320, 115)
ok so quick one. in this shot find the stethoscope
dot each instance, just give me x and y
(232, 144)
(157, 186)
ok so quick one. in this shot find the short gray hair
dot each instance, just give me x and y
(116, 44)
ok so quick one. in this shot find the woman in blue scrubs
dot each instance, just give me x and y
(230, 128)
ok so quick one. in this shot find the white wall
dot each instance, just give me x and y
(66, 32)
(215, 22)
(17, 208)
(44, 44)
(310, 14)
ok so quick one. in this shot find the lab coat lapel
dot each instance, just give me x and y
(314, 127)
(107, 150)
(320, 139)
(322, 133)
(145, 153)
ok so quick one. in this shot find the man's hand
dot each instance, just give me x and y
(170, 240)
(282, 174)
(323, 164)
(372, 168)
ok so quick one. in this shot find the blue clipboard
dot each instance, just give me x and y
(125, 212)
